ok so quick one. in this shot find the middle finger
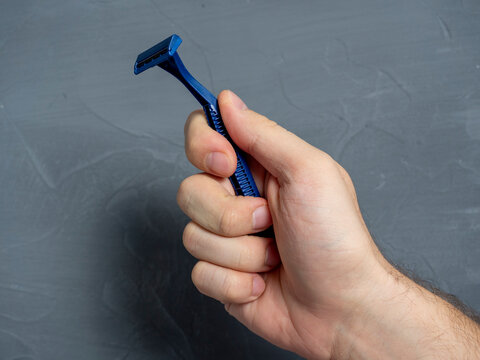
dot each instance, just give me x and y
(208, 203)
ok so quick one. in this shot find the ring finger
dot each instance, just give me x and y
(244, 253)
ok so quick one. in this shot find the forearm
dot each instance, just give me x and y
(405, 321)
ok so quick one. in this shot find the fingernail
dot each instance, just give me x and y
(272, 257)
(217, 162)
(237, 102)
(258, 285)
(261, 218)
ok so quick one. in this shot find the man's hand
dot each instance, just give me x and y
(312, 288)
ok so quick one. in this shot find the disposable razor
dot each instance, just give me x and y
(165, 55)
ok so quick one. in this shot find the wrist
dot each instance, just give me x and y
(362, 335)
(403, 320)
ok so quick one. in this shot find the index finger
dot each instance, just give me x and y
(206, 149)
(212, 153)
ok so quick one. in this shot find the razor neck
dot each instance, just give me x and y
(174, 66)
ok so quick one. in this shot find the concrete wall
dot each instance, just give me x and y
(91, 260)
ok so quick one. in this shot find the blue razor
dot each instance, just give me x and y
(165, 55)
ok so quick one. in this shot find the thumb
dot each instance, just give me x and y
(279, 151)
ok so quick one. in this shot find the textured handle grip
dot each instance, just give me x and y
(242, 180)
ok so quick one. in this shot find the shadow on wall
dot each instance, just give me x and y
(150, 291)
(152, 309)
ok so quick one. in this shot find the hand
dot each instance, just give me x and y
(321, 288)
(329, 262)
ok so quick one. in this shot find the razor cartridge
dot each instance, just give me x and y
(165, 55)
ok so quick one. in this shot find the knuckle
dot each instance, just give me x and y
(199, 275)
(195, 151)
(181, 192)
(324, 159)
(316, 160)
(190, 241)
(193, 115)
(184, 193)
(253, 143)
(227, 221)
(345, 174)
(326, 163)
(228, 307)
(327, 158)
(256, 138)
(348, 181)
(240, 260)
(190, 151)
(228, 290)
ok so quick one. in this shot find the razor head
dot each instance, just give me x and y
(157, 54)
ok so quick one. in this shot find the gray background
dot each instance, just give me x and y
(91, 261)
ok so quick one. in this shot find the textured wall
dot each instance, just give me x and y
(91, 261)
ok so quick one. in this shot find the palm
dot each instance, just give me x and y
(316, 256)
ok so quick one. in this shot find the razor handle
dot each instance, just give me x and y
(242, 179)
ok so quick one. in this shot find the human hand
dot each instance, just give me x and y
(326, 264)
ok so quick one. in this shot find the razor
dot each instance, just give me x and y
(165, 55)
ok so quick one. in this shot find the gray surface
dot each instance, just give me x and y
(91, 262)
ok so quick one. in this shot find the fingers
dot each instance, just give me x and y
(227, 285)
(207, 202)
(206, 149)
(209, 151)
(282, 153)
(244, 253)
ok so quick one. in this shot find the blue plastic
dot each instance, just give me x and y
(165, 55)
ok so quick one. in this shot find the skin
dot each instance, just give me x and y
(321, 288)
